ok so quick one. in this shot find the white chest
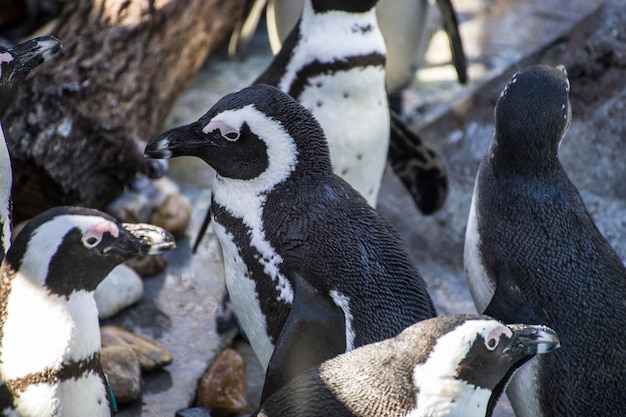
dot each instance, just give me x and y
(85, 396)
(6, 181)
(352, 108)
(243, 295)
(522, 390)
(42, 330)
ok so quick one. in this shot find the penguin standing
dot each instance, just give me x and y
(49, 332)
(309, 265)
(534, 254)
(445, 366)
(333, 63)
(15, 64)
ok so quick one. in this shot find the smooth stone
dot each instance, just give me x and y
(121, 366)
(173, 215)
(194, 412)
(148, 266)
(122, 288)
(223, 387)
(151, 355)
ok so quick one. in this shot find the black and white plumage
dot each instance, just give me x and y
(534, 254)
(49, 331)
(15, 64)
(446, 366)
(289, 228)
(333, 62)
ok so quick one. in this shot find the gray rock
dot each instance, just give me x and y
(121, 366)
(122, 288)
(194, 412)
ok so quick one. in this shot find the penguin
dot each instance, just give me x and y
(534, 254)
(49, 332)
(333, 63)
(294, 235)
(15, 64)
(403, 24)
(454, 365)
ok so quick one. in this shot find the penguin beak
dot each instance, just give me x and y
(140, 239)
(179, 141)
(33, 52)
(529, 340)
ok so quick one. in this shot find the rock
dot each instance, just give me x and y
(223, 387)
(123, 287)
(121, 366)
(194, 412)
(173, 215)
(151, 355)
(148, 266)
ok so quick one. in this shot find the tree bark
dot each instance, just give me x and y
(77, 129)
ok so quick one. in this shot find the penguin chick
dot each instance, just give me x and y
(49, 331)
(445, 366)
(15, 64)
(294, 235)
(534, 254)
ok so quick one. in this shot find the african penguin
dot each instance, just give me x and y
(333, 63)
(294, 235)
(534, 254)
(446, 366)
(15, 64)
(49, 331)
(403, 24)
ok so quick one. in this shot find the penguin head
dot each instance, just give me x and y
(256, 134)
(17, 62)
(532, 116)
(478, 352)
(67, 249)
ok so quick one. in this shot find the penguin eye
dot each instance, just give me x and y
(90, 241)
(231, 135)
(491, 343)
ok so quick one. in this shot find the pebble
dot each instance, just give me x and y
(222, 388)
(173, 215)
(148, 266)
(151, 355)
(122, 288)
(121, 366)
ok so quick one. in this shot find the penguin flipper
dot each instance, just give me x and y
(451, 26)
(313, 332)
(246, 26)
(418, 166)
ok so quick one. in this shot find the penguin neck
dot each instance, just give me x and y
(523, 156)
(41, 330)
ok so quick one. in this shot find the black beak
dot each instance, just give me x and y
(33, 52)
(140, 239)
(179, 141)
(530, 340)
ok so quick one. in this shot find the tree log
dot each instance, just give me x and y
(77, 128)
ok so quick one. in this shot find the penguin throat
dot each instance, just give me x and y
(523, 157)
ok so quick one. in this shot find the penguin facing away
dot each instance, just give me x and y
(49, 331)
(534, 254)
(446, 366)
(15, 64)
(293, 232)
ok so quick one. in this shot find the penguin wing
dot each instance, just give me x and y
(451, 26)
(418, 166)
(313, 332)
